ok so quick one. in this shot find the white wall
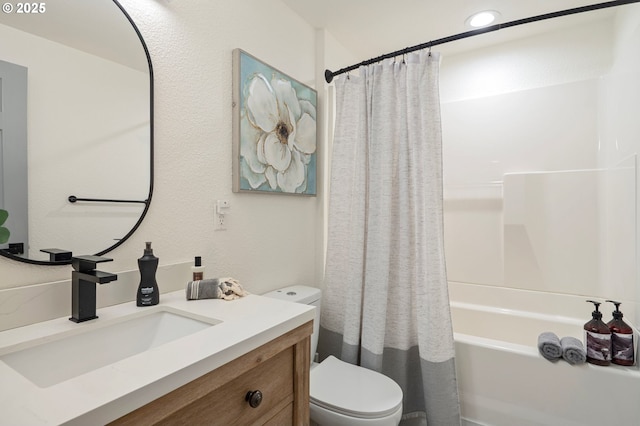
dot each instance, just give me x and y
(271, 240)
(560, 101)
(620, 134)
(621, 86)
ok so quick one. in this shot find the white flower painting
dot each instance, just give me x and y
(274, 130)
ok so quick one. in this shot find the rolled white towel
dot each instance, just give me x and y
(231, 289)
(549, 346)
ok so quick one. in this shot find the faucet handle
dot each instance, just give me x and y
(57, 255)
(87, 263)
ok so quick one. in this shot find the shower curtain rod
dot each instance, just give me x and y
(328, 75)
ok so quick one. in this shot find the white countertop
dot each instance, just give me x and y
(109, 392)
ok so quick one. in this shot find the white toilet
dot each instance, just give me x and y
(343, 394)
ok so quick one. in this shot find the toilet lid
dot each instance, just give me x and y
(352, 390)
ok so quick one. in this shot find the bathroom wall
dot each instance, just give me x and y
(270, 240)
(505, 110)
(620, 128)
(557, 102)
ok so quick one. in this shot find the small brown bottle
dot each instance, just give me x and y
(597, 338)
(621, 338)
(197, 269)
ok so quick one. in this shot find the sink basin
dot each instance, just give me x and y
(72, 354)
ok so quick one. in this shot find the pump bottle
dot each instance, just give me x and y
(622, 348)
(597, 338)
(148, 292)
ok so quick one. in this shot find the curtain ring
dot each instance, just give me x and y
(430, 48)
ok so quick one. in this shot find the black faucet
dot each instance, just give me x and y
(83, 286)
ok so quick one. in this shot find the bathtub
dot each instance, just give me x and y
(503, 380)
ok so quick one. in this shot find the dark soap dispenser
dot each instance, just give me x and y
(597, 338)
(148, 292)
(622, 347)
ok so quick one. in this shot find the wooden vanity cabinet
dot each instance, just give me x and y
(279, 370)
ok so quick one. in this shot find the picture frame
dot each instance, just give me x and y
(274, 130)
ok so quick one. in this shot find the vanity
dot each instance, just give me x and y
(181, 362)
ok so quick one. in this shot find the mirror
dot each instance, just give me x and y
(79, 125)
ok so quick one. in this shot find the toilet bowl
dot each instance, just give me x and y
(343, 394)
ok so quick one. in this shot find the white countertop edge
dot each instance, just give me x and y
(108, 393)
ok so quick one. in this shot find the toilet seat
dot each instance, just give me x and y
(353, 391)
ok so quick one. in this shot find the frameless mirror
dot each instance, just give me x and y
(76, 128)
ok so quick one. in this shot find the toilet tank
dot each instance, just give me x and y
(307, 296)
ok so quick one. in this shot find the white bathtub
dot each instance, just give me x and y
(503, 380)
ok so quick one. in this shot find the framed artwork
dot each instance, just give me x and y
(274, 130)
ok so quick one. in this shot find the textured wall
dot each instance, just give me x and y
(270, 240)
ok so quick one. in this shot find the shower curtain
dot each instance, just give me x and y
(385, 302)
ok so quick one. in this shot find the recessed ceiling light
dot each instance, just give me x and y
(482, 19)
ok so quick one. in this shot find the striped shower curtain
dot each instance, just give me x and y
(385, 302)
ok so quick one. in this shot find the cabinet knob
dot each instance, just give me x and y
(254, 398)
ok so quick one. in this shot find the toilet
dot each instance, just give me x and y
(343, 394)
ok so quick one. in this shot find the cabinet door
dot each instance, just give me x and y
(279, 370)
(228, 405)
